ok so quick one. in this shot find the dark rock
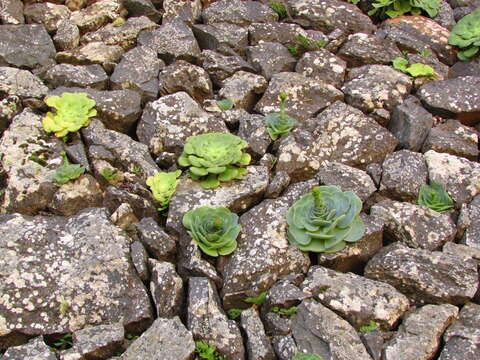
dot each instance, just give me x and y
(445, 16)
(244, 89)
(9, 107)
(25, 46)
(283, 33)
(166, 339)
(221, 37)
(469, 223)
(187, 11)
(220, 67)
(76, 152)
(90, 76)
(257, 344)
(98, 342)
(278, 183)
(462, 250)
(67, 36)
(277, 325)
(12, 12)
(142, 8)
(252, 129)
(284, 346)
(208, 322)
(98, 14)
(73, 255)
(322, 65)
(166, 288)
(283, 294)
(124, 217)
(48, 14)
(404, 172)
(410, 123)
(419, 335)
(465, 68)
(375, 172)
(425, 276)
(158, 243)
(238, 12)
(460, 12)
(142, 205)
(34, 349)
(21, 83)
(140, 260)
(92, 53)
(270, 58)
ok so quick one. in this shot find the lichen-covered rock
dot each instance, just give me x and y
(21, 83)
(187, 11)
(34, 349)
(98, 14)
(27, 46)
(283, 294)
(322, 65)
(276, 32)
(425, 276)
(270, 58)
(419, 335)
(92, 53)
(208, 322)
(55, 263)
(221, 37)
(462, 250)
(243, 88)
(305, 96)
(263, 253)
(404, 172)
(158, 243)
(238, 12)
(284, 346)
(138, 197)
(257, 343)
(89, 76)
(279, 182)
(166, 339)
(124, 217)
(220, 66)
(12, 12)
(318, 330)
(142, 8)
(140, 260)
(166, 288)
(357, 299)
(445, 16)
(9, 107)
(469, 223)
(459, 177)
(253, 130)
(67, 36)
(46, 13)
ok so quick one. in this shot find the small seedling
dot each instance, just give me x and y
(109, 175)
(305, 356)
(207, 352)
(64, 307)
(63, 342)
(225, 104)
(310, 44)
(279, 8)
(131, 337)
(119, 21)
(279, 123)
(234, 313)
(286, 312)
(372, 325)
(294, 49)
(425, 53)
(257, 300)
(137, 170)
(67, 171)
(415, 70)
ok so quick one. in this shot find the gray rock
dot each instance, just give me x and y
(440, 69)
(283, 294)
(48, 14)
(142, 203)
(72, 256)
(166, 339)
(90, 76)
(172, 41)
(12, 12)
(9, 107)
(167, 122)
(27, 46)
(142, 8)
(238, 12)
(445, 16)
(404, 172)
(34, 349)
(462, 250)
(263, 253)
(257, 344)
(270, 58)
(364, 49)
(357, 299)
(187, 11)
(67, 36)
(453, 138)
(98, 14)
(158, 243)
(124, 217)
(306, 96)
(76, 152)
(374, 342)
(244, 89)
(425, 276)
(221, 37)
(183, 76)
(220, 67)
(208, 322)
(318, 330)
(277, 325)
(92, 53)
(464, 68)
(410, 123)
(276, 32)
(99, 342)
(252, 129)
(457, 175)
(139, 259)
(469, 224)
(284, 346)
(21, 83)
(322, 65)
(419, 335)
(166, 288)
(278, 183)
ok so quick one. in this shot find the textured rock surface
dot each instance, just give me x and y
(35, 349)
(469, 223)
(98, 342)
(269, 58)
(257, 344)
(322, 65)
(21, 83)
(238, 12)
(166, 288)
(90, 76)
(243, 88)
(157, 242)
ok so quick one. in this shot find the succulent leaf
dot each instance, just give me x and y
(434, 197)
(67, 171)
(394, 8)
(279, 123)
(163, 186)
(466, 35)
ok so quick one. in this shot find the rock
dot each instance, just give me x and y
(283, 294)
(318, 330)
(364, 49)
(124, 217)
(166, 288)
(306, 96)
(67, 36)
(138, 71)
(357, 299)
(21, 83)
(376, 90)
(284, 346)
(270, 58)
(464, 68)
(322, 65)
(124, 35)
(425, 276)
(469, 223)
(81, 193)
(90, 76)
(140, 260)
(277, 325)
(167, 122)
(220, 67)
(187, 11)
(34, 349)
(278, 183)
(208, 322)
(75, 5)
(462, 338)
(275, 32)
(221, 37)
(453, 138)
(440, 69)
(27, 46)
(459, 177)
(410, 123)
(98, 342)
(183, 76)
(462, 250)
(419, 335)
(458, 97)
(166, 339)
(445, 16)
(98, 14)
(48, 14)
(9, 107)
(263, 253)
(244, 89)
(328, 15)
(404, 172)
(417, 33)
(92, 53)
(348, 178)
(72, 256)
(158, 243)
(12, 12)
(238, 12)
(252, 129)
(142, 205)
(142, 8)
(257, 344)
(172, 41)
(354, 257)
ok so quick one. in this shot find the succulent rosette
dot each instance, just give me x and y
(214, 229)
(163, 186)
(434, 197)
(325, 220)
(466, 35)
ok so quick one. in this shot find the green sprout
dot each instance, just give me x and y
(163, 186)
(137, 170)
(414, 70)
(434, 197)
(286, 312)
(225, 104)
(279, 8)
(305, 356)
(63, 342)
(310, 44)
(67, 171)
(119, 21)
(372, 325)
(234, 313)
(466, 35)
(207, 352)
(279, 123)
(257, 300)
(109, 175)
(64, 307)
(394, 8)
(294, 49)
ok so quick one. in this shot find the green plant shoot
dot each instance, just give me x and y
(466, 35)
(109, 175)
(305, 356)
(207, 352)
(163, 186)
(286, 312)
(257, 300)
(415, 70)
(435, 197)
(225, 104)
(234, 313)
(67, 171)
(394, 8)
(279, 123)
(279, 8)
(372, 325)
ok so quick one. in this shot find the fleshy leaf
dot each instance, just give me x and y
(67, 171)
(163, 186)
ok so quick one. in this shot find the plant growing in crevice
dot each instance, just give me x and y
(285, 312)
(434, 197)
(225, 104)
(309, 44)
(207, 352)
(325, 220)
(466, 35)
(279, 8)
(109, 175)
(306, 356)
(393, 8)
(372, 325)
(62, 342)
(257, 300)
(415, 70)
(72, 112)
(234, 313)
(163, 186)
(213, 229)
(214, 157)
(67, 171)
(279, 123)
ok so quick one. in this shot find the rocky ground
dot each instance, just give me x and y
(95, 259)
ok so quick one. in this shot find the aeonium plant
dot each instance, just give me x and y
(163, 186)
(466, 35)
(434, 197)
(279, 123)
(214, 229)
(325, 220)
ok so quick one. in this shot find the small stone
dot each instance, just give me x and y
(252, 129)
(99, 342)
(244, 89)
(166, 288)
(275, 32)
(142, 205)
(142, 8)
(98, 14)
(158, 243)
(48, 14)
(322, 65)
(92, 53)
(221, 37)
(469, 223)
(90, 76)
(276, 186)
(34, 349)
(257, 344)
(238, 12)
(270, 58)
(67, 36)
(124, 217)
(220, 66)
(12, 12)
(187, 11)
(21, 83)
(284, 346)
(140, 260)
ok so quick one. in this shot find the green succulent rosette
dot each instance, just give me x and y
(466, 35)
(279, 123)
(434, 197)
(214, 229)
(214, 157)
(163, 186)
(325, 220)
